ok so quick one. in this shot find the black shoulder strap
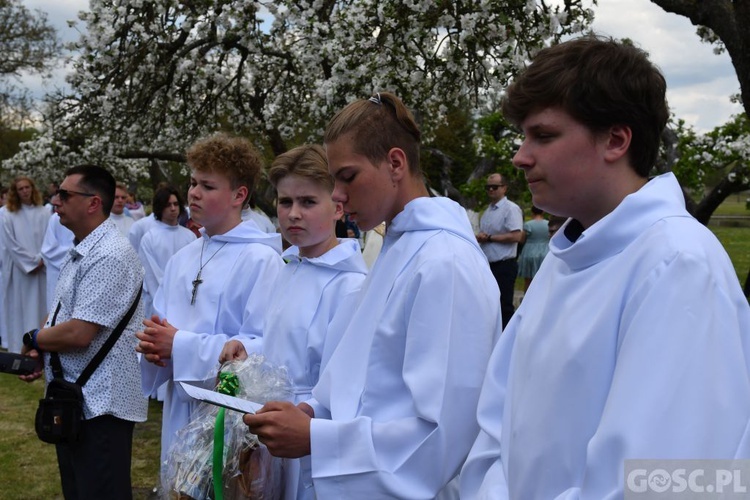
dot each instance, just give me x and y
(103, 351)
(54, 358)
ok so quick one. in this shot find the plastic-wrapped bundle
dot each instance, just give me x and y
(250, 472)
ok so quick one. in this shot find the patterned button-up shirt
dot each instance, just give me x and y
(501, 217)
(98, 283)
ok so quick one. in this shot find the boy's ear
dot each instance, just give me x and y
(398, 165)
(339, 210)
(618, 142)
(240, 195)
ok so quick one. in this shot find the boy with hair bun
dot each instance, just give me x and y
(393, 414)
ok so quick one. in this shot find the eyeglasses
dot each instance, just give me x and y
(492, 187)
(65, 194)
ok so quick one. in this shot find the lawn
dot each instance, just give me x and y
(28, 467)
(736, 241)
(734, 205)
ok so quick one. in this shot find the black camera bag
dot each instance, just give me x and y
(59, 418)
(60, 413)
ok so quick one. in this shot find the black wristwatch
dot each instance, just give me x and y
(29, 339)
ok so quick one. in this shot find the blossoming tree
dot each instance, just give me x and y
(726, 24)
(152, 75)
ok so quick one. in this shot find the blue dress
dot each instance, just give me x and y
(535, 248)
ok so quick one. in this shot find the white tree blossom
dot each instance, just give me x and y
(153, 75)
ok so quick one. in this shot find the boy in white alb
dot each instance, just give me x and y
(24, 274)
(393, 414)
(58, 240)
(164, 240)
(633, 339)
(215, 287)
(122, 220)
(321, 272)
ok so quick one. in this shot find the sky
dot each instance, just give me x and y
(699, 82)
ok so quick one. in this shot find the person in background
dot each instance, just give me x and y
(122, 220)
(139, 229)
(536, 244)
(52, 188)
(164, 240)
(145, 224)
(24, 276)
(341, 230)
(632, 342)
(501, 230)
(254, 213)
(134, 208)
(554, 223)
(3, 267)
(58, 240)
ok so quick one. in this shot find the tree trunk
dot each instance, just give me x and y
(155, 173)
(730, 22)
(731, 184)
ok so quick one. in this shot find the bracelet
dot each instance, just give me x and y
(33, 339)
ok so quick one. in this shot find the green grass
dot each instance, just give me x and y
(734, 205)
(28, 467)
(22, 455)
(736, 241)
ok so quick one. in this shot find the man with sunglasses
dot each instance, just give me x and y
(98, 282)
(500, 231)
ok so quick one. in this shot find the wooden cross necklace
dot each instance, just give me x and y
(197, 281)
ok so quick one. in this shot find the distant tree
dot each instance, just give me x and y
(726, 25)
(718, 159)
(10, 140)
(154, 75)
(449, 157)
(28, 44)
(498, 141)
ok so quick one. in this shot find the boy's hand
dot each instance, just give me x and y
(233, 351)
(283, 428)
(156, 340)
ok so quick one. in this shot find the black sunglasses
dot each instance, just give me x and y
(65, 194)
(492, 187)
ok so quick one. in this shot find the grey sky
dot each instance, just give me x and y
(699, 82)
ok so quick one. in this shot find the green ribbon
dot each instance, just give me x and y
(229, 384)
